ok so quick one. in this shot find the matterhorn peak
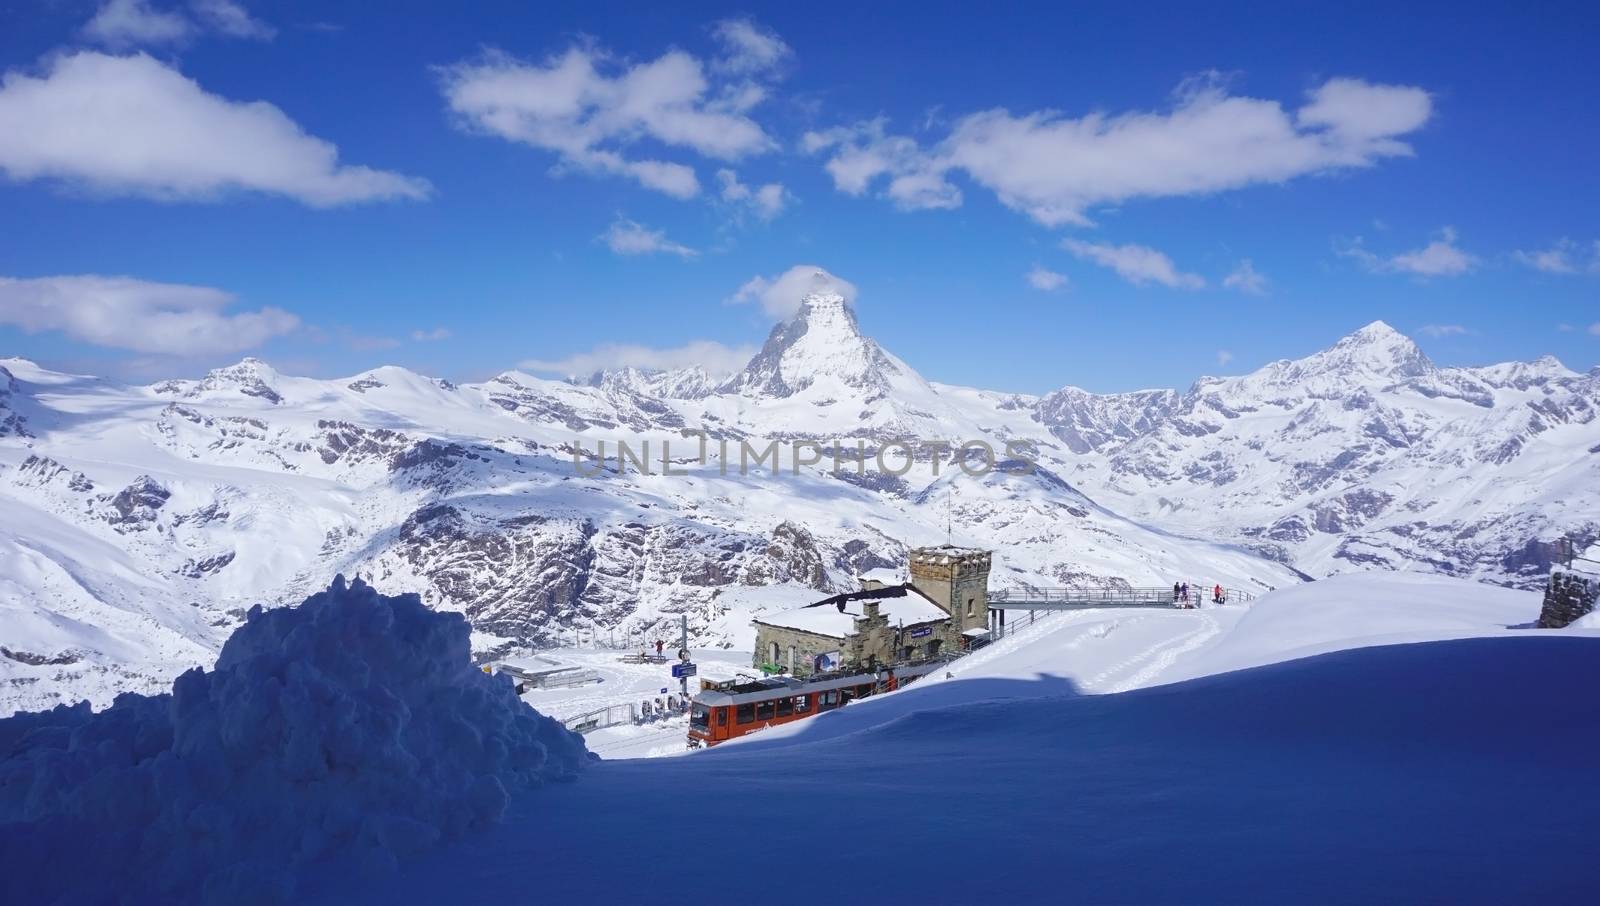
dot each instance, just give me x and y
(822, 340)
(820, 300)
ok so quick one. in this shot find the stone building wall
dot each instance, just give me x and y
(805, 646)
(1568, 597)
(957, 579)
(877, 641)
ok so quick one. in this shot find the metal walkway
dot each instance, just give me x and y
(1089, 598)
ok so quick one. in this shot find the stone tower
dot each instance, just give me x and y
(957, 579)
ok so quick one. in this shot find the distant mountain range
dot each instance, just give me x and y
(142, 521)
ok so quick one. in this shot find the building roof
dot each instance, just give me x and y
(908, 608)
(883, 574)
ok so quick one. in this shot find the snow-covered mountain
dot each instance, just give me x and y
(142, 520)
(1365, 454)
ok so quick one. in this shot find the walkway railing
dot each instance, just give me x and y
(1079, 598)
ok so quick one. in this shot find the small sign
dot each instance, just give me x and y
(924, 631)
(682, 670)
(663, 690)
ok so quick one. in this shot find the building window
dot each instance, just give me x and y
(722, 717)
(969, 606)
(773, 650)
(785, 707)
(746, 715)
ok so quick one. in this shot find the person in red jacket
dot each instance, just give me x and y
(1216, 594)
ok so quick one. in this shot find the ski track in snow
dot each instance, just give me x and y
(1159, 659)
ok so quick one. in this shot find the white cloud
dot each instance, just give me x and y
(1224, 357)
(232, 19)
(749, 48)
(780, 296)
(137, 23)
(1046, 280)
(133, 126)
(1595, 328)
(1246, 279)
(1439, 258)
(1565, 257)
(717, 359)
(864, 152)
(586, 108)
(125, 313)
(1137, 264)
(429, 336)
(1056, 168)
(1444, 330)
(625, 237)
(125, 23)
(766, 201)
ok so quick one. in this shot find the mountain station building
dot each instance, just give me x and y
(942, 609)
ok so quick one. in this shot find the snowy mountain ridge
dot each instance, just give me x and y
(145, 520)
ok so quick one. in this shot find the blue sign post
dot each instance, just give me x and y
(680, 671)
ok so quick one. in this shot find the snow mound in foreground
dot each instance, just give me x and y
(352, 729)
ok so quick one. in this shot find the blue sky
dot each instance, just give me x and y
(1067, 189)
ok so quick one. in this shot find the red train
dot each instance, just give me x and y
(732, 709)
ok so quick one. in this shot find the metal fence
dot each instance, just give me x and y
(1162, 596)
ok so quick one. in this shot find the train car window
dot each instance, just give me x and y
(785, 707)
(864, 690)
(802, 704)
(722, 717)
(764, 710)
(746, 715)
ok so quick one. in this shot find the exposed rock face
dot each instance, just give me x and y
(135, 507)
(251, 378)
(1088, 422)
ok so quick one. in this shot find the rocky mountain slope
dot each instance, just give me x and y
(1363, 455)
(142, 521)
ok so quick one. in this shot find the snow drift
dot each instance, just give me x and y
(352, 730)
(1442, 772)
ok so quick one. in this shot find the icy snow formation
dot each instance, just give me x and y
(352, 730)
